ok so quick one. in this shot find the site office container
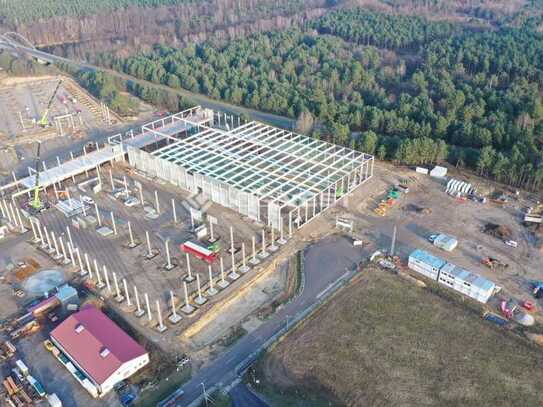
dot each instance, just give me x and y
(199, 251)
(424, 263)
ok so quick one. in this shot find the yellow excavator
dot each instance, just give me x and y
(44, 121)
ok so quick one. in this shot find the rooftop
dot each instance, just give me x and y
(86, 335)
(427, 258)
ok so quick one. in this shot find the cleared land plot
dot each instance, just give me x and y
(383, 341)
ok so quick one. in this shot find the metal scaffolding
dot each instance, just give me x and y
(268, 174)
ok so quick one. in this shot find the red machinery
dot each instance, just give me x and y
(199, 251)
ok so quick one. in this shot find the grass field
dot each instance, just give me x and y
(385, 342)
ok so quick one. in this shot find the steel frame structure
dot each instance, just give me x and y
(267, 173)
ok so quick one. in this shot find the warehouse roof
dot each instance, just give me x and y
(96, 343)
(262, 160)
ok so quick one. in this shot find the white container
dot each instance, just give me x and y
(421, 170)
(22, 367)
(438, 172)
(53, 400)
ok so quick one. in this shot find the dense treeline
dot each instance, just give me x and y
(24, 11)
(473, 99)
(383, 30)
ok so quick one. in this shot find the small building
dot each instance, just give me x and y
(67, 295)
(467, 283)
(425, 263)
(99, 348)
(438, 172)
(445, 242)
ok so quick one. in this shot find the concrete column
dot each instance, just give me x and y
(21, 224)
(169, 264)
(72, 157)
(42, 240)
(174, 318)
(106, 276)
(111, 180)
(149, 251)
(113, 224)
(132, 244)
(187, 308)
(141, 195)
(56, 191)
(97, 214)
(223, 283)
(139, 311)
(125, 185)
(290, 224)
(49, 245)
(57, 250)
(98, 276)
(174, 211)
(71, 251)
(244, 268)
(149, 316)
(36, 239)
(64, 254)
(2, 208)
(200, 300)
(13, 215)
(264, 253)
(89, 269)
(157, 204)
(126, 294)
(189, 276)
(161, 327)
(211, 291)
(254, 260)
(231, 239)
(82, 270)
(212, 238)
(273, 246)
(233, 275)
(281, 240)
(119, 297)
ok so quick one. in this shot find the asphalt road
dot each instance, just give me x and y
(325, 262)
(242, 396)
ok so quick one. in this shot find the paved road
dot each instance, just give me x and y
(242, 396)
(325, 263)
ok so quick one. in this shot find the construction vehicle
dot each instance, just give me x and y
(44, 121)
(493, 263)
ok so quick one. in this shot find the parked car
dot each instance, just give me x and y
(48, 345)
(511, 243)
(131, 201)
(87, 200)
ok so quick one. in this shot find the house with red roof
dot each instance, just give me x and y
(99, 348)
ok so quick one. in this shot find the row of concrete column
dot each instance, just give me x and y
(12, 213)
(68, 253)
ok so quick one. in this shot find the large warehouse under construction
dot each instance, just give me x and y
(268, 174)
(273, 176)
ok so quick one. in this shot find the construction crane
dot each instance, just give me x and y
(36, 203)
(44, 121)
